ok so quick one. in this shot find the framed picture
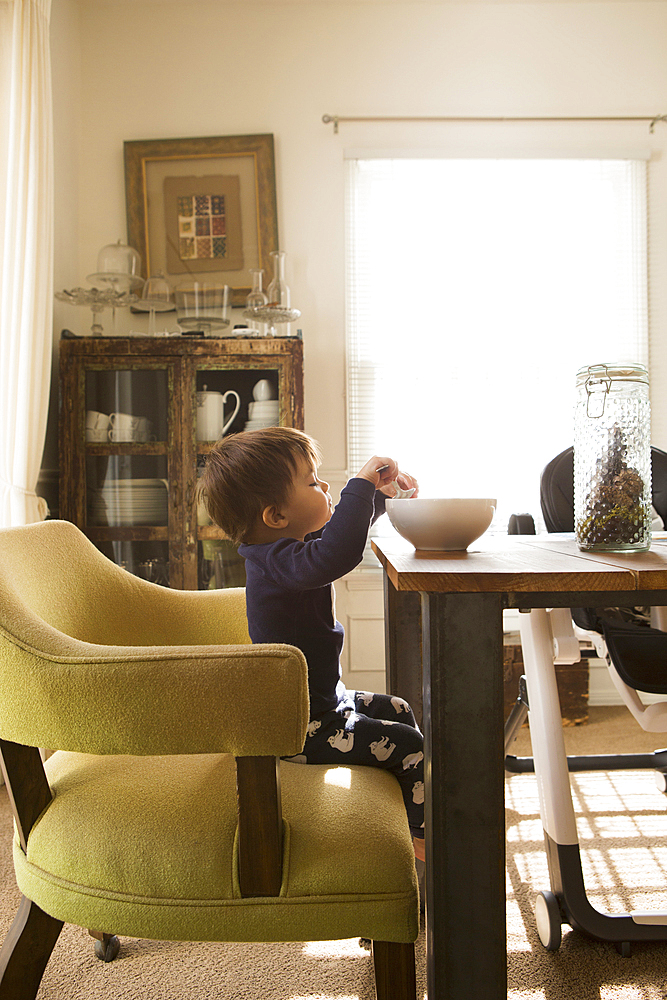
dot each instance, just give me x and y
(203, 209)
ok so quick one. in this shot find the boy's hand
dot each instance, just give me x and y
(379, 471)
(383, 471)
(405, 481)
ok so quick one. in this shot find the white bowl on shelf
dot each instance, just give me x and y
(263, 408)
(256, 425)
(441, 524)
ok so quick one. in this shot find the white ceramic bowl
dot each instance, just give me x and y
(262, 390)
(441, 525)
(263, 408)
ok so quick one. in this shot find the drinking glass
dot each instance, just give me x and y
(202, 305)
(256, 300)
(156, 297)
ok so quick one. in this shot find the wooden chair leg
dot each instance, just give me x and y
(26, 951)
(395, 977)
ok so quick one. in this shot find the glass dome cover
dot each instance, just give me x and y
(118, 264)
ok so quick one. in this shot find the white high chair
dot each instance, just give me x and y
(548, 637)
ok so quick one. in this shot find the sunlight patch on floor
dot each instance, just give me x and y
(623, 825)
(326, 996)
(517, 936)
(625, 991)
(532, 866)
(347, 948)
(639, 867)
(599, 872)
(526, 829)
(611, 792)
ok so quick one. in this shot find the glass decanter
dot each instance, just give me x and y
(278, 292)
(256, 300)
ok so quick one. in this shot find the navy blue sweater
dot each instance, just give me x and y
(289, 593)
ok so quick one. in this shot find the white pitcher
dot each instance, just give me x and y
(211, 424)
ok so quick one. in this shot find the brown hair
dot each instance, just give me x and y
(247, 472)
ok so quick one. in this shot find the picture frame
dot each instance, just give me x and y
(203, 208)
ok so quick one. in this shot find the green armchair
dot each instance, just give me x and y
(165, 811)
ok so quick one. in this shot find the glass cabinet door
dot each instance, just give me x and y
(128, 477)
(230, 400)
(138, 417)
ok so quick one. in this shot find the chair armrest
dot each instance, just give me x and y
(187, 617)
(247, 700)
(125, 610)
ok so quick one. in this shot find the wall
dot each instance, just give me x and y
(176, 68)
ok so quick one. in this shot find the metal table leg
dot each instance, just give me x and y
(464, 796)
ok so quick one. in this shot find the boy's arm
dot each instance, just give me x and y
(379, 501)
(339, 547)
(332, 552)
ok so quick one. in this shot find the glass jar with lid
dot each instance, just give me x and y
(612, 458)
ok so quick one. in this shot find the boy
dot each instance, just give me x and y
(261, 487)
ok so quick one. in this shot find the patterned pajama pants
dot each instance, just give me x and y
(376, 730)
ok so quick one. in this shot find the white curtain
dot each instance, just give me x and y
(26, 278)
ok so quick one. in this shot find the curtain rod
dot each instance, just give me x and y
(338, 119)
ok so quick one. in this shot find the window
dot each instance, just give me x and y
(476, 290)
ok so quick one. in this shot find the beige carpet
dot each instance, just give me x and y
(623, 832)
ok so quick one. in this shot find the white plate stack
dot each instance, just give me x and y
(263, 413)
(124, 503)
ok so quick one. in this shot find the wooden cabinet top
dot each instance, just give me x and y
(193, 347)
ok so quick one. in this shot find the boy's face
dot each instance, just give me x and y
(309, 505)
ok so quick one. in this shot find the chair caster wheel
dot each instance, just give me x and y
(107, 949)
(624, 948)
(548, 920)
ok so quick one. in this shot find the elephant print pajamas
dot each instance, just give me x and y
(377, 731)
(290, 599)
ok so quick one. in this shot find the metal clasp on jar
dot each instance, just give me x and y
(598, 385)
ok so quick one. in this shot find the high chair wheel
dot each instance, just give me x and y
(548, 920)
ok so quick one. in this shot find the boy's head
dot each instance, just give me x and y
(249, 472)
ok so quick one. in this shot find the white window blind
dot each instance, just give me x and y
(475, 290)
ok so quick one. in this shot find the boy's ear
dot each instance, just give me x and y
(272, 517)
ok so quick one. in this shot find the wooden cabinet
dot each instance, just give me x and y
(130, 485)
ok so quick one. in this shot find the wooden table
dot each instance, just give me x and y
(443, 622)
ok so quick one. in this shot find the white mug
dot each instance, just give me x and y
(118, 420)
(97, 421)
(211, 424)
(124, 433)
(97, 434)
